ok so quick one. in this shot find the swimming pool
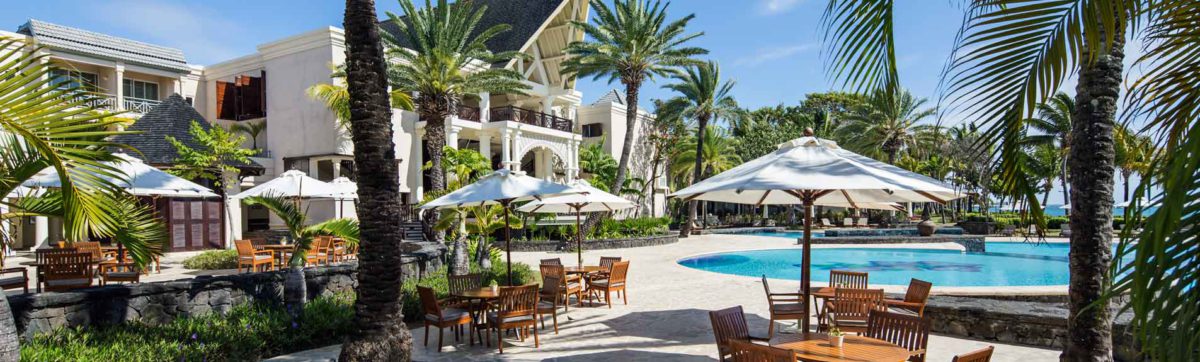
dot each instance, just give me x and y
(1005, 264)
(786, 234)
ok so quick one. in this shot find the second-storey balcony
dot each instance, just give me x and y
(526, 116)
(108, 102)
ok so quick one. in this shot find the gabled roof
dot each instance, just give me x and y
(613, 96)
(74, 40)
(173, 117)
(524, 16)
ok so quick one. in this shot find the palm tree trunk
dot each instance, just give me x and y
(1125, 177)
(10, 346)
(1091, 161)
(632, 86)
(1065, 191)
(433, 110)
(697, 171)
(378, 330)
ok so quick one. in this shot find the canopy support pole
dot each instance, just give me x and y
(578, 237)
(507, 239)
(806, 258)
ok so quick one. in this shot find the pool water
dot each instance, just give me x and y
(786, 234)
(1005, 264)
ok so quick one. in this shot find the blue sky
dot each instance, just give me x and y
(772, 48)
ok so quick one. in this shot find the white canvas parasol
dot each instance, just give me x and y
(592, 200)
(292, 183)
(140, 180)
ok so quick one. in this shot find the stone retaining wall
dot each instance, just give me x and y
(972, 243)
(891, 232)
(599, 244)
(161, 302)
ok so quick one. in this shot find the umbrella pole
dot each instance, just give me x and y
(507, 241)
(578, 238)
(806, 258)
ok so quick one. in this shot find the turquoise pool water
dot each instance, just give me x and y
(787, 234)
(1005, 264)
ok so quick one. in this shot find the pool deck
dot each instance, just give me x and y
(666, 318)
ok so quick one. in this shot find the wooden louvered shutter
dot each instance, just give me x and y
(225, 95)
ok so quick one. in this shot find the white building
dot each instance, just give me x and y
(539, 132)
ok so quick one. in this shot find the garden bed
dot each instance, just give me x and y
(596, 244)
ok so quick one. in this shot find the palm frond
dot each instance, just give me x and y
(861, 47)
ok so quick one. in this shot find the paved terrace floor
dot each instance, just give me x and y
(666, 319)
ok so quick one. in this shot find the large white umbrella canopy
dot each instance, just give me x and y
(346, 189)
(591, 200)
(502, 187)
(813, 171)
(292, 183)
(140, 179)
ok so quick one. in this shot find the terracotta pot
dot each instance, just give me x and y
(926, 228)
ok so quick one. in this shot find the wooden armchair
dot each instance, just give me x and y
(848, 279)
(15, 281)
(783, 306)
(252, 259)
(554, 261)
(567, 287)
(40, 259)
(982, 355)
(743, 351)
(461, 283)
(908, 331)
(849, 309)
(442, 318)
(318, 251)
(123, 271)
(548, 300)
(914, 299)
(515, 309)
(606, 263)
(340, 250)
(68, 271)
(729, 325)
(615, 283)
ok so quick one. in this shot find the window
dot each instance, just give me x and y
(64, 79)
(593, 130)
(140, 90)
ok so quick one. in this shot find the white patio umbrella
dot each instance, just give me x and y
(347, 190)
(813, 171)
(140, 180)
(592, 200)
(502, 187)
(294, 184)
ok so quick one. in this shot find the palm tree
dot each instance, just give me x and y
(337, 99)
(1133, 154)
(251, 129)
(463, 166)
(885, 125)
(434, 48)
(717, 155)
(45, 126)
(1045, 164)
(703, 97)
(1054, 123)
(378, 332)
(632, 44)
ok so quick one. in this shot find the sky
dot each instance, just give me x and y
(772, 49)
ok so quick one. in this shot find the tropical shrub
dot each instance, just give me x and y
(631, 227)
(248, 332)
(212, 259)
(1056, 222)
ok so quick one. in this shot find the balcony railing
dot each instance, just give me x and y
(139, 105)
(468, 113)
(526, 116)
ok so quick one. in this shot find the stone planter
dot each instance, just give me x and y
(926, 228)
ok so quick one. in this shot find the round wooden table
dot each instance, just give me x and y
(586, 269)
(811, 346)
(481, 293)
(279, 250)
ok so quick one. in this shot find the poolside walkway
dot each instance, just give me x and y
(666, 319)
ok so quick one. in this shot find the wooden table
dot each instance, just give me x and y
(279, 250)
(483, 295)
(586, 269)
(811, 346)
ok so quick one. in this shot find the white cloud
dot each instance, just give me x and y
(204, 35)
(768, 54)
(778, 6)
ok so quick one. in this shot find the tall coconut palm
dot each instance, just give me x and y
(1053, 121)
(703, 96)
(885, 124)
(378, 333)
(631, 42)
(43, 125)
(434, 48)
(717, 155)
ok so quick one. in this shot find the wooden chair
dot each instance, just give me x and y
(555, 261)
(515, 309)
(567, 287)
(123, 271)
(743, 351)
(729, 325)
(847, 279)
(615, 282)
(318, 251)
(340, 250)
(68, 271)
(441, 318)
(910, 332)
(914, 299)
(15, 281)
(40, 258)
(606, 263)
(783, 306)
(982, 355)
(849, 308)
(461, 283)
(252, 259)
(548, 302)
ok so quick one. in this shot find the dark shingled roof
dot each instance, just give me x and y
(173, 117)
(524, 16)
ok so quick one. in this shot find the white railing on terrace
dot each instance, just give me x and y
(138, 105)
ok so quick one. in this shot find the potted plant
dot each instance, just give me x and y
(926, 227)
(836, 337)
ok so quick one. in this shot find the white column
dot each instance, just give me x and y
(417, 162)
(120, 88)
(516, 149)
(41, 232)
(233, 213)
(452, 135)
(572, 160)
(548, 104)
(506, 150)
(485, 106)
(485, 145)
(337, 168)
(548, 157)
(312, 168)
